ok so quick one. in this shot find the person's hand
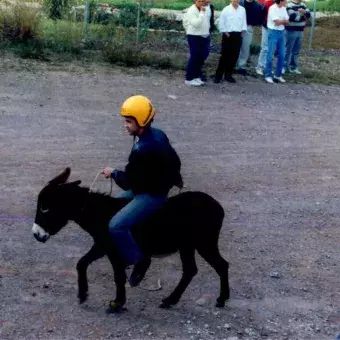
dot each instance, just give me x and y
(107, 172)
(302, 11)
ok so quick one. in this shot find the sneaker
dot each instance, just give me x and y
(259, 72)
(192, 83)
(269, 80)
(296, 71)
(139, 271)
(198, 80)
(279, 79)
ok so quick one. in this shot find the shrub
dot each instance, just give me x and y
(133, 55)
(57, 9)
(334, 5)
(63, 36)
(19, 23)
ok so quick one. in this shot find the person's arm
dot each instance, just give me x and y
(307, 12)
(244, 21)
(222, 25)
(295, 16)
(212, 19)
(121, 179)
(276, 19)
(193, 18)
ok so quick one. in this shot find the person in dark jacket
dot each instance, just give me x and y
(254, 13)
(210, 13)
(153, 169)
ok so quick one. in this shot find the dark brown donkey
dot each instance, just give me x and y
(188, 222)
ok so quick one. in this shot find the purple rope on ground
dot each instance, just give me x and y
(16, 218)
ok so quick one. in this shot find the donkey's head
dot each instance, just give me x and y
(53, 207)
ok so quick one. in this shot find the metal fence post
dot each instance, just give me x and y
(313, 27)
(138, 22)
(86, 20)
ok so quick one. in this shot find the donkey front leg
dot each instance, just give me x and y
(118, 266)
(94, 254)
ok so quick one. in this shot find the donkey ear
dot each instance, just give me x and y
(62, 178)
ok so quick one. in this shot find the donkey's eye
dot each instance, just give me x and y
(44, 211)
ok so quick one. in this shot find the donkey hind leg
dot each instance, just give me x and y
(92, 255)
(221, 266)
(189, 269)
(118, 266)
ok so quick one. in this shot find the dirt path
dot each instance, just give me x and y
(270, 154)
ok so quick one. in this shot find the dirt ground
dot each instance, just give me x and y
(269, 154)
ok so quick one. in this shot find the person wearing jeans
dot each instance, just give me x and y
(298, 15)
(277, 18)
(254, 13)
(264, 39)
(210, 14)
(196, 24)
(153, 169)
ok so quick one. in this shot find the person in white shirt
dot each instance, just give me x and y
(232, 25)
(277, 19)
(196, 24)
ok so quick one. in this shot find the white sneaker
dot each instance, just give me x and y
(259, 71)
(280, 79)
(192, 82)
(199, 80)
(296, 71)
(269, 80)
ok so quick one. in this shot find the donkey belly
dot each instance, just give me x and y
(155, 239)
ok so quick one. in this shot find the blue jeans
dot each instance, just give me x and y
(276, 42)
(264, 49)
(199, 51)
(138, 210)
(293, 47)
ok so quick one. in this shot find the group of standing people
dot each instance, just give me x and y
(282, 34)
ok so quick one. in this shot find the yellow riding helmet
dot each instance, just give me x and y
(140, 108)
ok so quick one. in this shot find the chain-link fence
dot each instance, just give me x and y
(127, 32)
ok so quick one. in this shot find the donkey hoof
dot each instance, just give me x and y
(166, 304)
(114, 308)
(220, 303)
(82, 298)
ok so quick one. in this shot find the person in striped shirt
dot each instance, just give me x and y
(298, 16)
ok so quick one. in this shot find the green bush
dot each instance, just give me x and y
(57, 9)
(63, 36)
(334, 5)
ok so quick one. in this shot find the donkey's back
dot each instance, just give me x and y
(189, 219)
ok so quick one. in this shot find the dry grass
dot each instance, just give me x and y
(19, 23)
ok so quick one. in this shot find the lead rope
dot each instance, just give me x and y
(95, 179)
(159, 286)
